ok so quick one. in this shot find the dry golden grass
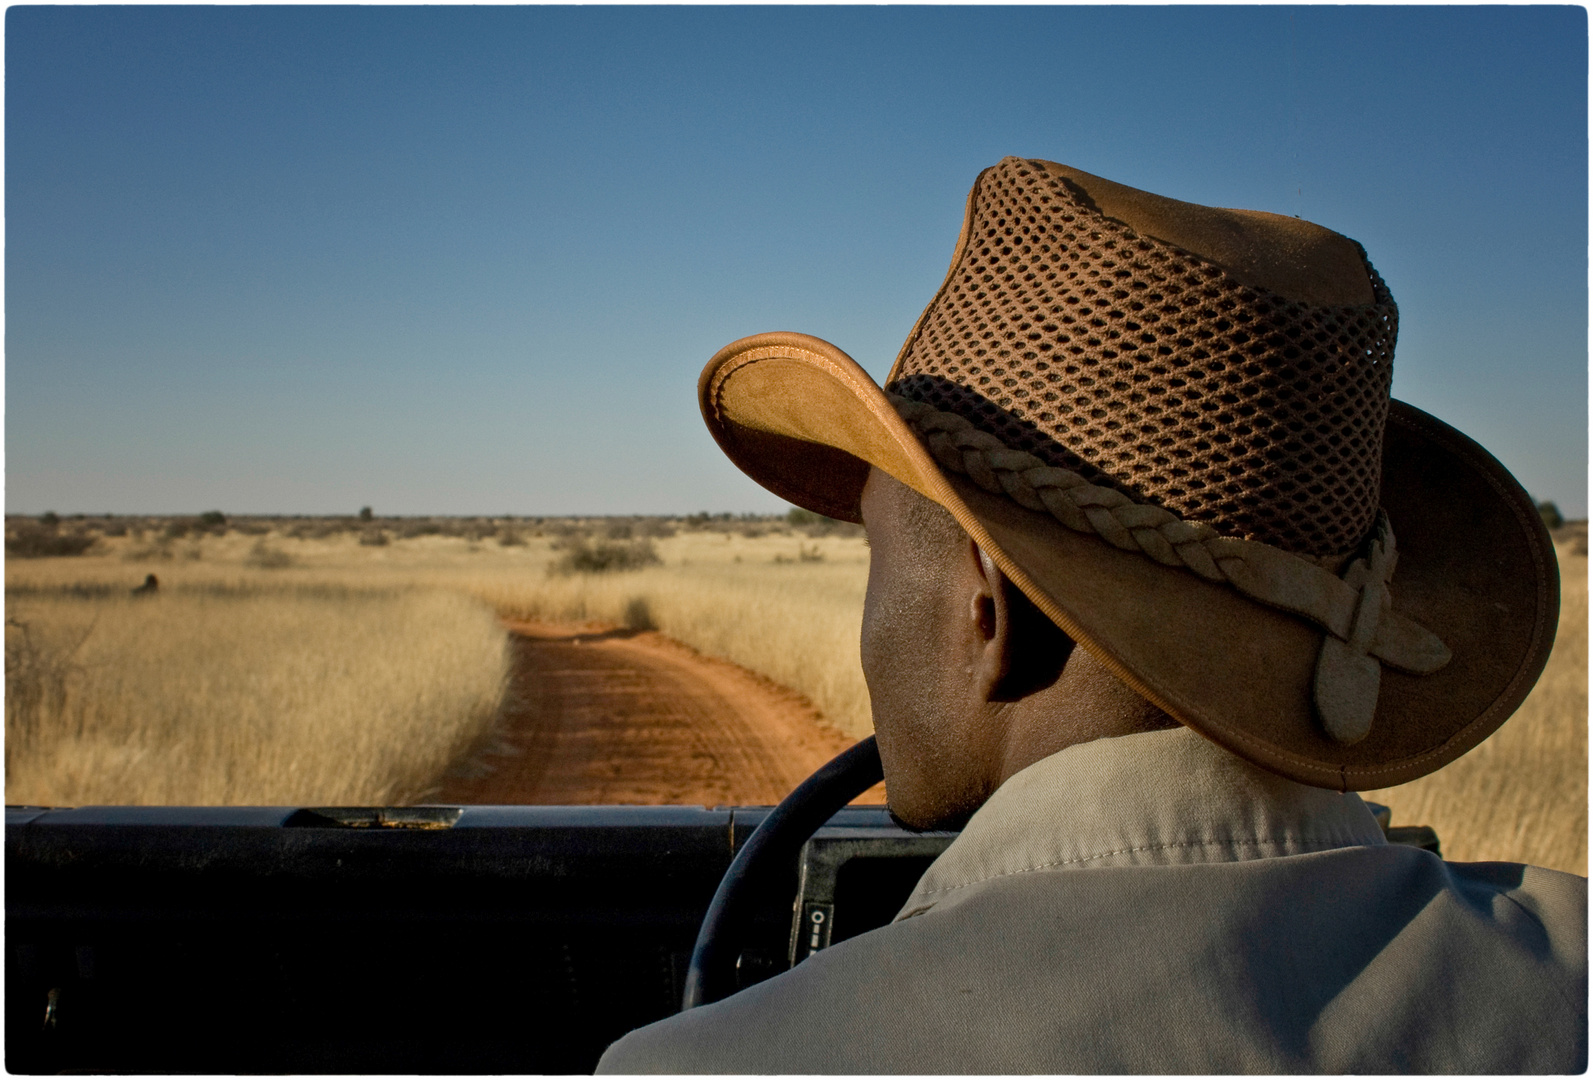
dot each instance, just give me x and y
(753, 601)
(282, 670)
(265, 696)
(1521, 796)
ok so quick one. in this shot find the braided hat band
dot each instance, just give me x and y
(1355, 609)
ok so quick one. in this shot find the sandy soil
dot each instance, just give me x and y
(616, 716)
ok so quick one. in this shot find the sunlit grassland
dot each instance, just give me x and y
(281, 670)
(752, 599)
(262, 696)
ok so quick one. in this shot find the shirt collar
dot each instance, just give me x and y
(1159, 798)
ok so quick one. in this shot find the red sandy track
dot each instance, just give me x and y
(620, 717)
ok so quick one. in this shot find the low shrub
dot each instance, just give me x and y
(30, 541)
(316, 530)
(267, 558)
(799, 517)
(639, 614)
(605, 556)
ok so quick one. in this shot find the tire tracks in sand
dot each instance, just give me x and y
(621, 717)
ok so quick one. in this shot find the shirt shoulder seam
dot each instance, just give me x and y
(1311, 843)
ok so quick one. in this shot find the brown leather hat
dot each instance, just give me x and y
(1170, 425)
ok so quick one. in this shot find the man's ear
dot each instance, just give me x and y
(992, 618)
(1021, 650)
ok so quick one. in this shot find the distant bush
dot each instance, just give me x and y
(366, 513)
(799, 517)
(705, 520)
(509, 536)
(212, 519)
(268, 558)
(316, 530)
(582, 557)
(30, 541)
(1551, 515)
(658, 528)
(373, 538)
(563, 532)
(639, 614)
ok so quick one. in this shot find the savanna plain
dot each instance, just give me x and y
(349, 661)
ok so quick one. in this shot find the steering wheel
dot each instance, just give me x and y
(773, 844)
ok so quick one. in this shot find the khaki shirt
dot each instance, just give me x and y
(1152, 903)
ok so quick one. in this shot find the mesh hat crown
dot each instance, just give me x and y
(1148, 369)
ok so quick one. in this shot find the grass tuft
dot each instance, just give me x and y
(272, 698)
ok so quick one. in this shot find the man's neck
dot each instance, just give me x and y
(1086, 703)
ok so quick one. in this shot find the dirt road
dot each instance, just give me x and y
(625, 717)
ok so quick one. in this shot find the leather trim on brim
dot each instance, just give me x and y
(1476, 564)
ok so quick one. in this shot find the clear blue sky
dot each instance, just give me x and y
(471, 260)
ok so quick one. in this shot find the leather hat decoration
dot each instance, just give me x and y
(1170, 426)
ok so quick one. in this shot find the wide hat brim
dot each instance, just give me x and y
(1476, 566)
